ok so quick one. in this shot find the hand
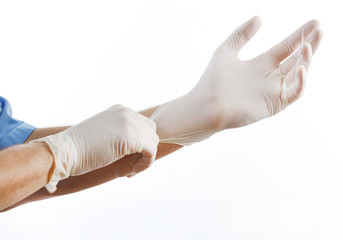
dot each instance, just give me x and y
(101, 140)
(233, 93)
(248, 91)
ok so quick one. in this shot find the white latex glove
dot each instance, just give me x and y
(233, 93)
(101, 140)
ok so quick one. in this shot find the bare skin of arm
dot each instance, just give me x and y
(120, 168)
(32, 163)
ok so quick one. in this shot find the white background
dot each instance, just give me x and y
(281, 178)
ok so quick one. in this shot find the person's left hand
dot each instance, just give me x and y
(248, 91)
(233, 92)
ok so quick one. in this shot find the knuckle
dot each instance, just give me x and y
(120, 110)
(242, 36)
(117, 106)
(125, 113)
(237, 39)
(152, 124)
(124, 110)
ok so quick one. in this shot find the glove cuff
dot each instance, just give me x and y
(60, 146)
(181, 125)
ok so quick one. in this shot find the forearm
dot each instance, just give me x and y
(163, 149)
(72, 184)
(99, 176)
(43, 132)
(23, 170)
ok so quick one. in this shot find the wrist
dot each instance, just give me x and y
(47, 155)
(190, 118)
(209, 109)
(63, 154)
(51, 159)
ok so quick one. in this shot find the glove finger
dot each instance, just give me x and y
(304, 58)
(285, 48)
(147, 158)
(314, 40)
(143, 163)
(123, 166)
(243, 33)
(155, 139)
(295, 79)
(296, 90)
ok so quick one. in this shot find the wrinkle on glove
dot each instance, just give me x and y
(179, 138)
(100, 141)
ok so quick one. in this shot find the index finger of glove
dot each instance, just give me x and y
(285, 48)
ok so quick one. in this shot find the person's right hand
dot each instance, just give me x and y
(100, 141)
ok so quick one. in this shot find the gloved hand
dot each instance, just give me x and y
(233, 93)
(101, 140)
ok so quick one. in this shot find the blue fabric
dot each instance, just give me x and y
(12, 131)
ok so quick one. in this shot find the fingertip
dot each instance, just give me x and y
(314, 23)
(316, 34)
(256, 22)
(320, 33)
(314, 39)
(301, 70)
(242, 34)
(257, 19)
(250, 27)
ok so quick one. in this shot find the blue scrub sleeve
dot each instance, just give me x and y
(12, 131)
